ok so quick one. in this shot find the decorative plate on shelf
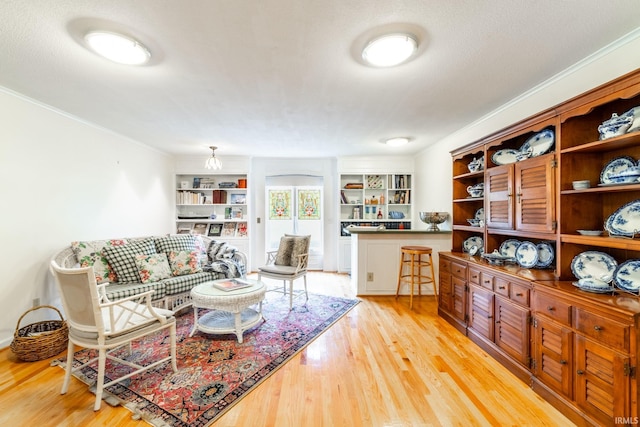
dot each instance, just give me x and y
(504, 157)
(545, 254)
(479, 215)
(508, 247)
(539, 143)
(471, 242)
(627, 276)
(615, 167)
(594, 264)
(527, 255)
(625, 221)
(590, 232)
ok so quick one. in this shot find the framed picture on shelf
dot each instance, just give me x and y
(229, 229)
(184, 229)
(236, 213)
(196, 182)
(215, 230)
(241, 230)
(238, 199)
(199, 228)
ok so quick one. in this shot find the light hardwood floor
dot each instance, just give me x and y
(380, 365)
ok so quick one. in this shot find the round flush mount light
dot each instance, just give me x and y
(390, 50)
(117, 47)
(397, 142)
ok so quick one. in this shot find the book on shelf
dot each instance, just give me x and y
(229, 229)
(227, 213)
(231, 284)
(343, 198)
(196, 182)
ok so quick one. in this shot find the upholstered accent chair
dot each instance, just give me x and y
(288, 263)
(95, 322)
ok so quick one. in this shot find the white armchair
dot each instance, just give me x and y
(96, 322)
(288, 263)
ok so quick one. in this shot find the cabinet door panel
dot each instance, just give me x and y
(553, 352)
(499, 203)
(445, 295)
(512, 330)
(481, 311)
(602, 389)
(459, 298)
(534, 183)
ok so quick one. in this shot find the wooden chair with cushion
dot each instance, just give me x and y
(288, 263)
(95, 322)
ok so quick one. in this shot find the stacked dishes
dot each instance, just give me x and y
(594, 271)
(625, 221)
(620, 170)
(537, 145)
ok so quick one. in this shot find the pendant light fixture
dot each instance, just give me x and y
(213, 162)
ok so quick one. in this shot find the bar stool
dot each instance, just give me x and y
(412, 256)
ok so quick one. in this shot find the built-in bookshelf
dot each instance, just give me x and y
(212, 205)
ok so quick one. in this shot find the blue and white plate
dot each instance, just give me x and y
(539, 143)
(615, 167)
(479, 214)
(527, 255)
(506, 156)
(508, 247)
(587, 285)
(625, 221)
(594, 264)
(471, 242)
(545, 254)
(627, 276)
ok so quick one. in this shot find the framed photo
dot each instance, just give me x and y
(238, 199)
(184, 229)
(199, 228)
(229, 229)
(236, 213)
(215, 230)
(241, 230)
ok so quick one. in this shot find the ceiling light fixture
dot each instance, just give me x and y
(390, 50)
(213, 162)
(397, 142)
(117, 48)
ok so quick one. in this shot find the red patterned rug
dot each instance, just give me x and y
(214, 372)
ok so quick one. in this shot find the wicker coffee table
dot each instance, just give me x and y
(231, 311)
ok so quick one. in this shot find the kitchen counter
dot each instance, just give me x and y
(375, 257)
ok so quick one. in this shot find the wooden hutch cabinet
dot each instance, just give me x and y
(577, 349)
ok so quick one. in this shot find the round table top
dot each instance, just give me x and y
(206, 294)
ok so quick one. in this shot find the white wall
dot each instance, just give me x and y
(64, 180)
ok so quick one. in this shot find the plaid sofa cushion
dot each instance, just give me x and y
(123, 259)
(116, 291)
(178, 284)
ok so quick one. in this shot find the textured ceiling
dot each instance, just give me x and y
(283, 77)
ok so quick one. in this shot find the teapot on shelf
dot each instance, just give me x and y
(476, 190)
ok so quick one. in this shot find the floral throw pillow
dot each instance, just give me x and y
(184, 262)
(89, 253)
(153, 268)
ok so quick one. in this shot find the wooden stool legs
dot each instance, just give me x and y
(415, 264)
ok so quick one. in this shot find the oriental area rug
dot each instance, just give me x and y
(214, 371)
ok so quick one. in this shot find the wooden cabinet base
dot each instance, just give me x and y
(567, 408)
(505, 360)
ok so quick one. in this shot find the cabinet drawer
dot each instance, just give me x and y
(604, 330)
(501, 286)
(519, 293)
(459, 270)
(553, 307)
(486, 280)
(474, 275)
(445, 265)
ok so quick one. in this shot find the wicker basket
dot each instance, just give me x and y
(40, 340)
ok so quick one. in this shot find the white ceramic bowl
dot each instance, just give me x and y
(581, 185)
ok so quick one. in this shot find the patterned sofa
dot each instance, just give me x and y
(170, 265)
